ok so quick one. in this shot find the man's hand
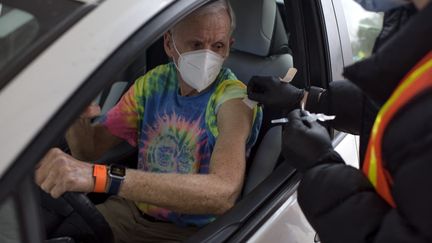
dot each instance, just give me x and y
(304, 142)
(91, 111)
(59, 172)
(271, 91)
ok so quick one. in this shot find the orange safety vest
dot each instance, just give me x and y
(417, 80)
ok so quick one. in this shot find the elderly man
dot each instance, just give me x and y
(192, 130)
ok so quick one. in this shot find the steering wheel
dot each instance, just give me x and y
(75, 216)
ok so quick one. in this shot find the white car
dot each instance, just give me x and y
(58, 56)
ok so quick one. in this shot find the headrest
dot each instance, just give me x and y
(255, 20)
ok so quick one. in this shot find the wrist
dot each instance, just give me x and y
(116, 176)
(313, 98)
(330, 156)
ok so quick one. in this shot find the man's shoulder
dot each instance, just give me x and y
(160, 72)
(229, 83)
(157, 79)
(227, 87)
(227, 74)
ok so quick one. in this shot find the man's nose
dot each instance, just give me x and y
(208, 46)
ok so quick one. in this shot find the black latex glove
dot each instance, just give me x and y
(270, 91)
(304, 142)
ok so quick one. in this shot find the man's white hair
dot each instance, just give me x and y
(215, 7)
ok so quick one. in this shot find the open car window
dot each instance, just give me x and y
(18, 29)
(26, 27)
(363, 28)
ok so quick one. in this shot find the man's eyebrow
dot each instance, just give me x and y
(195, 39)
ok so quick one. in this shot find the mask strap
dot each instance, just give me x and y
(175, 48)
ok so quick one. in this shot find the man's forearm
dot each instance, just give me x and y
(185, 193)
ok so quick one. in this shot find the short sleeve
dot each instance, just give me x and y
(225, 91)
(124, 118)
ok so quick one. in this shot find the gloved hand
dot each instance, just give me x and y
(271, 91)
(304, 142)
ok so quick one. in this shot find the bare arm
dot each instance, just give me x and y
(215, 192)
(88, 141)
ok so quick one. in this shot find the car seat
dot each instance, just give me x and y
(260, 48)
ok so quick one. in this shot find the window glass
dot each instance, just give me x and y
(363, 28)
(17, 30)
(9, 223)
(27, 26)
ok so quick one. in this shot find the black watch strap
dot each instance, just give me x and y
(116, 174)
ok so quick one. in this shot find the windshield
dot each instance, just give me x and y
(28, 27)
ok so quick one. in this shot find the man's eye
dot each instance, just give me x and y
(197, 45)
(219, 46)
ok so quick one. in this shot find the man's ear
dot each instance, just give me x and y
(231, 42)
(169, 49)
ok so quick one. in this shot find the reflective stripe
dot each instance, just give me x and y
(416, 81)
(373, 168)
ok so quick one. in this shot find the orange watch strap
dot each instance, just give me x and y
(100, 174)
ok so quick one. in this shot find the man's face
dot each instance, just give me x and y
(210, 31)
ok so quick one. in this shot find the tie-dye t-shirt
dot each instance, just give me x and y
(174, 133)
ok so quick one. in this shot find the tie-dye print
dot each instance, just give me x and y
(174, 134)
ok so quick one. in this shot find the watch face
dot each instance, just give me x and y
(117, 170)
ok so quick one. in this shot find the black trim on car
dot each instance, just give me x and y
(317, 51)
(309, 42)
(297, 42)
(319, 55)
(16, 65)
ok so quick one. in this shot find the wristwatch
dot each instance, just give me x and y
(116, 175)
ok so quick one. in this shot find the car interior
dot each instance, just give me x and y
(256, 51)
(261, 47)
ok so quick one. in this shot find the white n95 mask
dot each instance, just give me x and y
(381, 5)
(199, 68)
